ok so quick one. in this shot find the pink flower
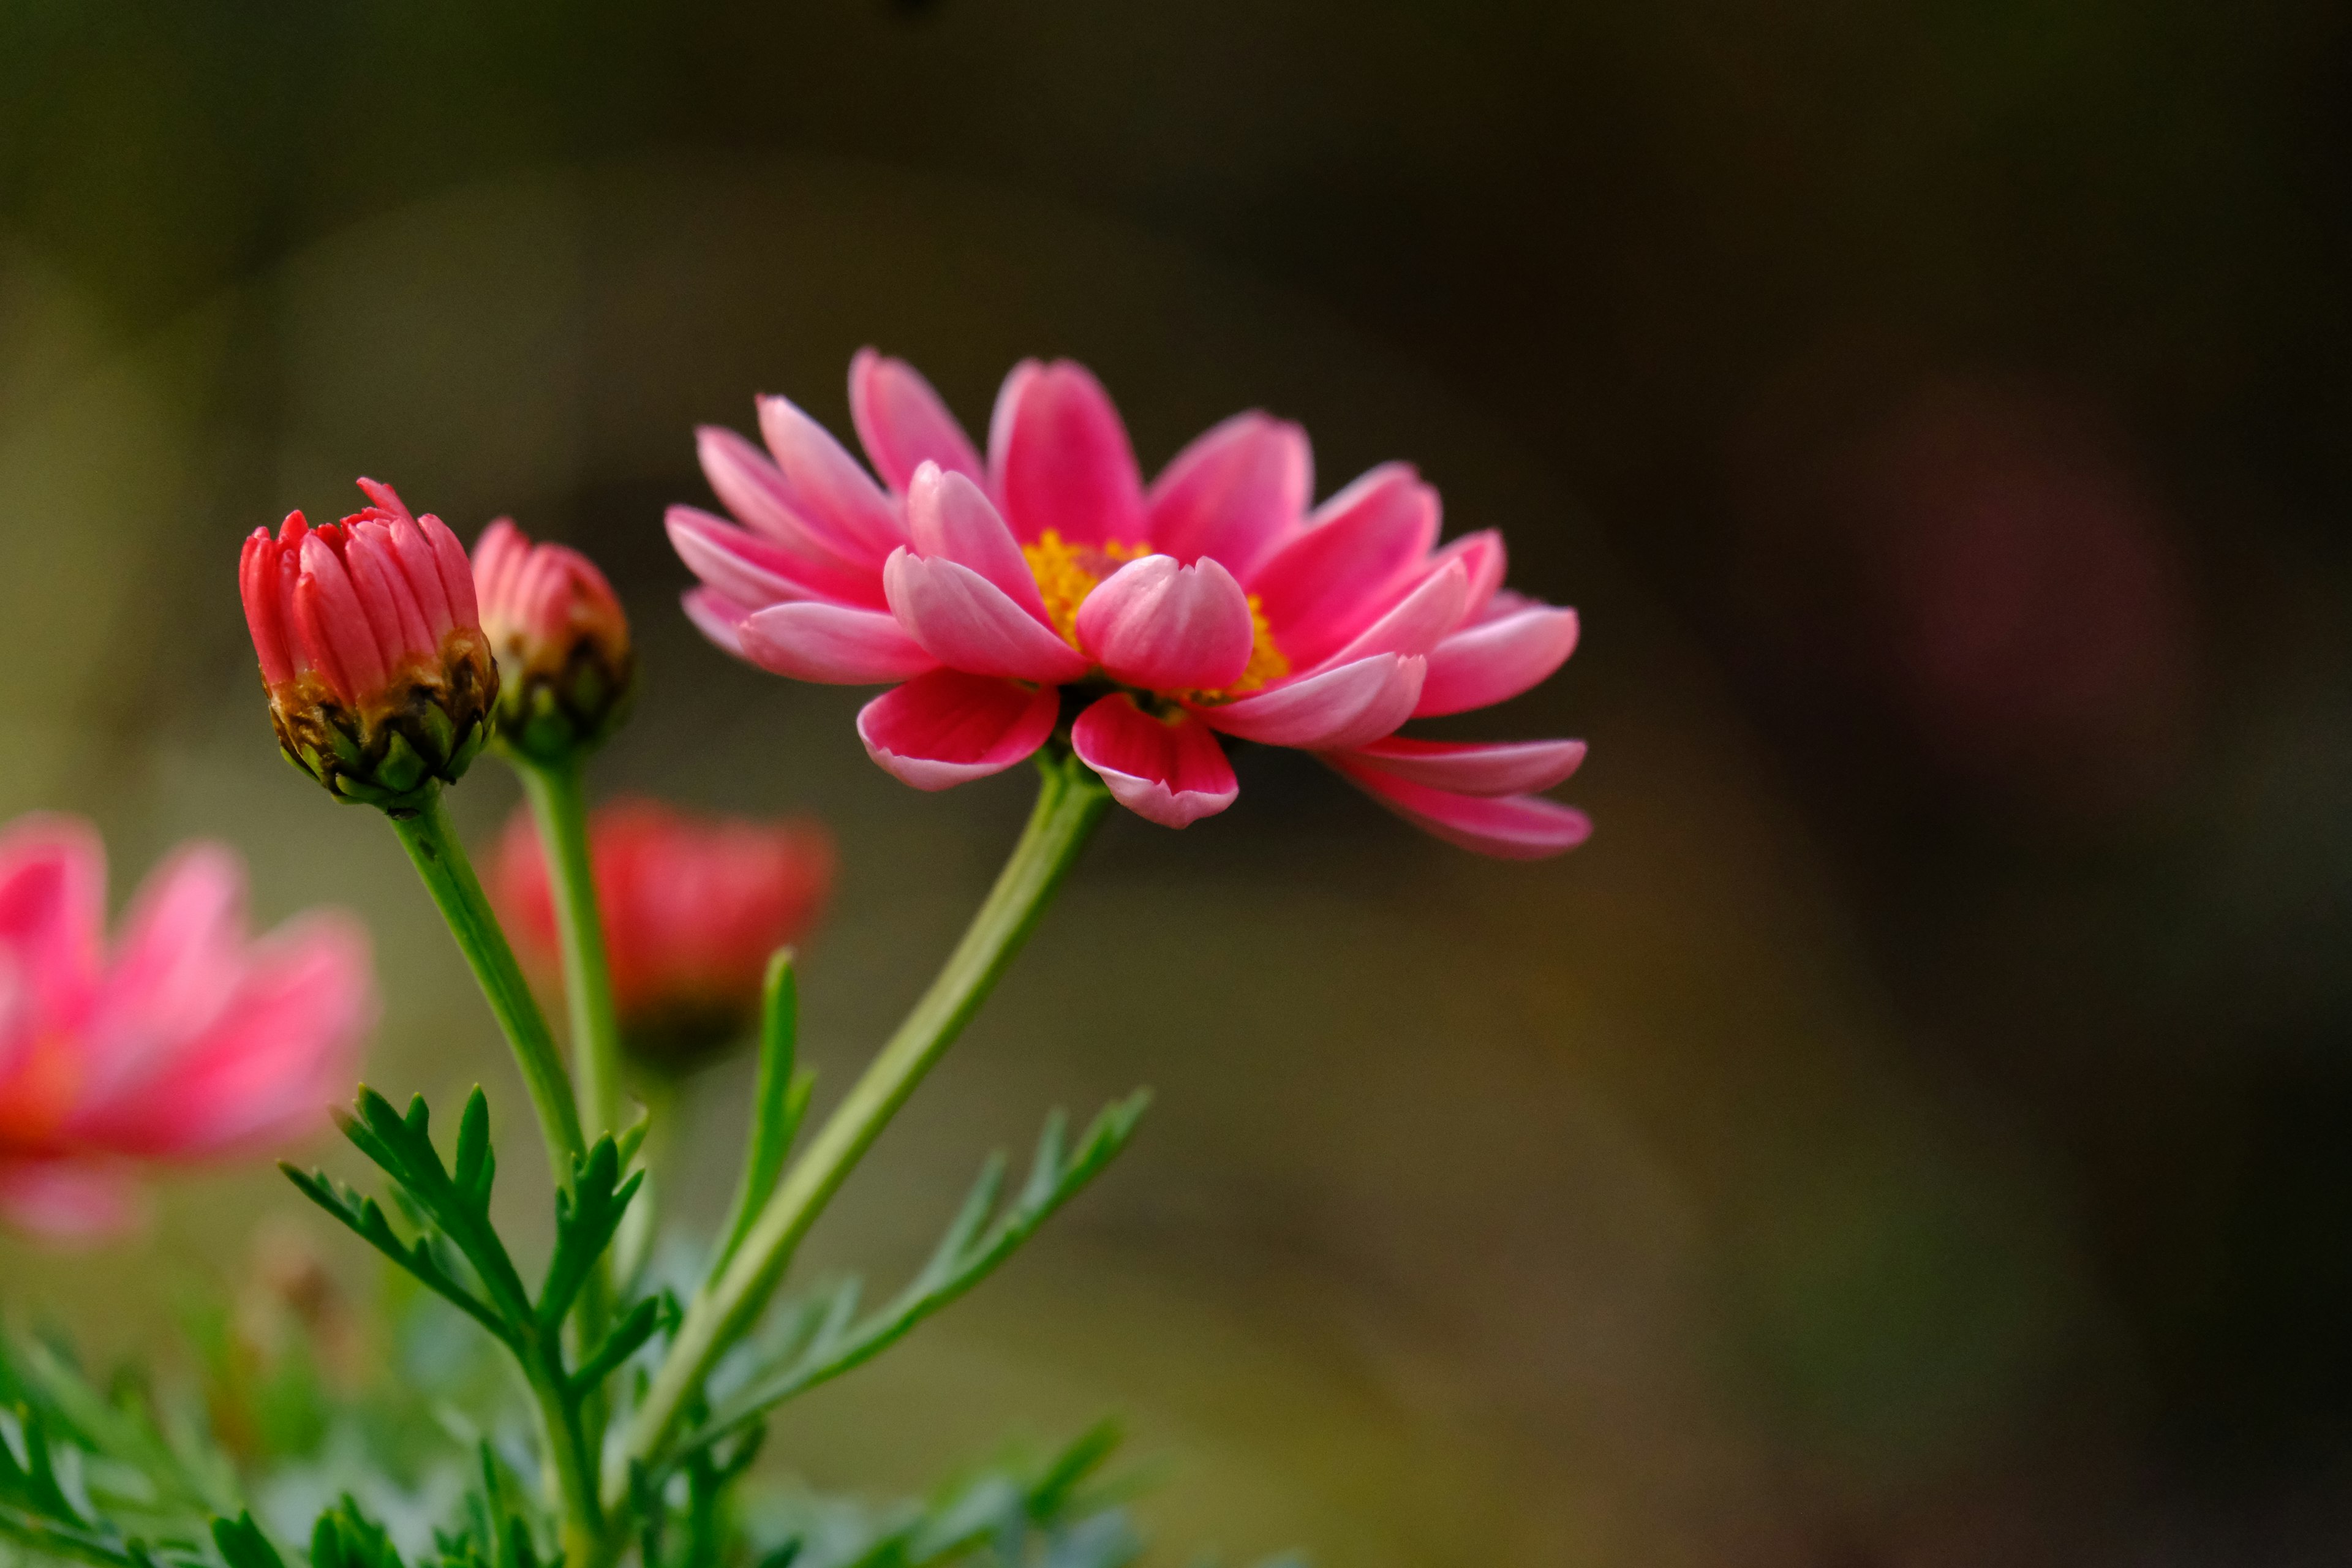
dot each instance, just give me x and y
(565, 667)
(186, 1041)
(380, 679)
(1213, 604)
(693, 906)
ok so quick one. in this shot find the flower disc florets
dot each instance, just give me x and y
(566, 671)
(380, 679)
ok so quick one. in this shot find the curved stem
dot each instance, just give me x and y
(560, 806)
(1070, 802)
(440, 860)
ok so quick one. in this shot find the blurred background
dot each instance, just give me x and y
(1914, 1130)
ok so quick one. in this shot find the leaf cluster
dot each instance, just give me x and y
(815, 1339)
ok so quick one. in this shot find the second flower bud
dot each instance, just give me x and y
(566, 670)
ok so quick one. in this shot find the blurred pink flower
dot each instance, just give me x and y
(1211, 604)
(186, 1041)
(693, 905)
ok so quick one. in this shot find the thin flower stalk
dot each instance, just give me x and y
(1070, 802)
(560, 808)
(440, 860)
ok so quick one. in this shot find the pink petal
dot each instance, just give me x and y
(1511, 827)
(456, 572)
(1061, 457)
(830, 491)
(1483, 557)
(717, 617)
(1234, 493)
(392, 606)
(52, 907)
(1172, 771)
(832, 644)
(1486, 663)
(1325, 584)
(257, 583)
(336, 625)
(1346, 705)
(1475, 767)
(755, 491)
(950, 727)
(181, 951)
(266, 1069)
(903, 424)
(1421, 619)
(951, 516)
(965, 621)
(748, 569)
(1166, 627)
(420, 566)
(68, 1200)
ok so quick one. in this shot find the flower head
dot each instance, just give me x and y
(1214, 603)
(380, 679)
(565, 669)
(184, 1040)
(693, 906)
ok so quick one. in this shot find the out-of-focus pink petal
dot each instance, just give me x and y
(949, 727)
(951, 516)
(832, 644)
(904, 424)
(265, 1070)
(1061, 460)
(1509, 828)
(752, 488)
(1166, 627)
(1474, 767)
(1171, 772)
(832, 493)
(717, 617)
(180, 955)
(67, 1201)
(1421, 619)
(1234, 493)
(1484, 558)
(1344, 706)
(965, 621)
(1487, 663)
(747, 568)
(52, 906)
(1327, 582)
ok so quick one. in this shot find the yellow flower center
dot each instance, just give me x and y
(1067, 573)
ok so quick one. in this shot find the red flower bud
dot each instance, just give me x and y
(565, 669)
(380, 679)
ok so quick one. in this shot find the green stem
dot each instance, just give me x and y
(440, 860)
(570, 1453)
(1070, 802)
(560, 808)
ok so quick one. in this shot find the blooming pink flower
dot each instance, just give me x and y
(1213, 604)
(693, 906)
(371, 646)
(184, 1041)
(565, 667)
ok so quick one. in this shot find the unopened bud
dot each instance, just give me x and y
(380, 679)
(565, 667)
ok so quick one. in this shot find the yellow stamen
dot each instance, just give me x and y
(1067, 573)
